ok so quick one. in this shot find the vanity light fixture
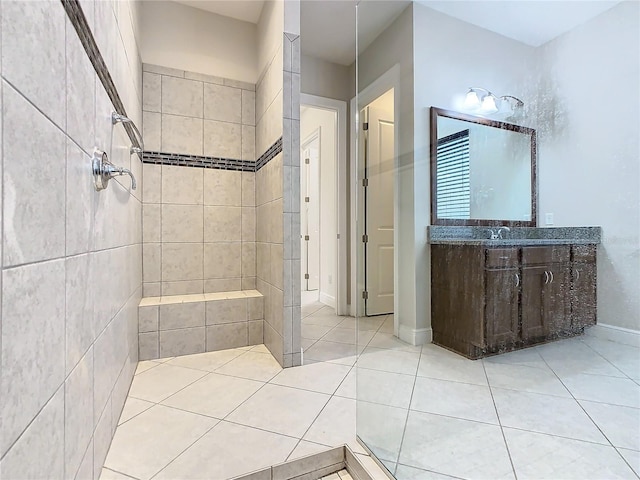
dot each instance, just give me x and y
(481, 100)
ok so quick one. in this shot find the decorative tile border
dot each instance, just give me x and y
(179, 160)
(269, 155)
(198, 161)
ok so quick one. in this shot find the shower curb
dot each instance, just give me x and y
(316, 466)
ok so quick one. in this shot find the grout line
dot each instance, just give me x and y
(495, 407)
(120, 473)
(607, 360)
(587, 413)
(406, 421)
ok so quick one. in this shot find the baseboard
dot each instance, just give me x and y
(414, 336)
(327, 300)
(612, 333)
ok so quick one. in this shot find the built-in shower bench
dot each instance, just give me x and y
(175, 325)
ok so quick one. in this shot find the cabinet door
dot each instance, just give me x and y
(501, 307)
(583, 295)
(556, 302)
(534, 280)
(544, 301)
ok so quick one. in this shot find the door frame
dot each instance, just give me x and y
(388, 80)
(340, 107)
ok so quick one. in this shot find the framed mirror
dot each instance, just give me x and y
(483, 172)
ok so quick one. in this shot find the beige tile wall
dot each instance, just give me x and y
(278, 202)
(198, 224)
(71, 257)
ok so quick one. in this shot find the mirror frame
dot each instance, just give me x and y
(440, 112)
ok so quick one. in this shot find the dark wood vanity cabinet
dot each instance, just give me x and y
(488, 300)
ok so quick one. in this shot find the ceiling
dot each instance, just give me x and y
(328, 26)
(245, 10)
(531, 22)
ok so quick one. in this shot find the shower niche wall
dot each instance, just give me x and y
(199, 215)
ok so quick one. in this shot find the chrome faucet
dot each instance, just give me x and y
(497, 234)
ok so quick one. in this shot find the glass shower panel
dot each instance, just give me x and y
(497, 331)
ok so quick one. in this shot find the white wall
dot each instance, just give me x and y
(326, 79)
(589, 167)
(450, 56)
(186, 38)
(310, 120)
(394, 47)
(269, 34)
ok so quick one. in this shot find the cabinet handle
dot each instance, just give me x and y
(546, 277)
(517, 280)
(577, 275)
(551, 273)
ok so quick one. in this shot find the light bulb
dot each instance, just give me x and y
(471, 101)
(489, 104)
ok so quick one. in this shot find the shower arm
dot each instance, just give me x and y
(119, 118)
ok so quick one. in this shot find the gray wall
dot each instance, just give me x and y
(71, 257)
(588, 160)
(198, 224)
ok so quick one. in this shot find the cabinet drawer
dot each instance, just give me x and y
(545, 255)
(584, 253)
(502, 257)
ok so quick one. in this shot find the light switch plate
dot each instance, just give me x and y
(548, 218)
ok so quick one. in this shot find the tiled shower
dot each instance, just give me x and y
(211, 226)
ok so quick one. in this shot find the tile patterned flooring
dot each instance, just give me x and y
(569, 409)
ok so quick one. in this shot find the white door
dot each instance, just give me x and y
(310, 212)
(379, 171)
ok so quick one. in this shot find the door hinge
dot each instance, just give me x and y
(306, 276)
(365, 238)
(365, 295)
(365, 126)
(306, 160)
(365, 182)
(306, 237)
(306, 199)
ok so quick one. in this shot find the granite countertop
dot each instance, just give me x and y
(444, 235)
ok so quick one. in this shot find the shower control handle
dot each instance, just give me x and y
(104, 170)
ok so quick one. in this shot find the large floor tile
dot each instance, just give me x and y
(394, 361)
(528, 357)
(449, 366)
(341, 335)
(322, 320)
(455, 447)
(621, 425)
(632, 457)
(573, 356)
(525, 379)
(208, 361)
(314, 332)
(391, 342)
(537, 456)
(133, 407)
(323, 351)
(227, 451)
(305, 448)
(381, 428)
(385, 388)
(318, 377)
(158, 383)
(107, 474)
(147, 443)
(623, 357)
(558, 416)
(252, 365)
(404, 472)
(214, 395)
(284, 410)
(596, 388)
(146, 365)
(336, 425)
(454, 399)
(347, 388)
